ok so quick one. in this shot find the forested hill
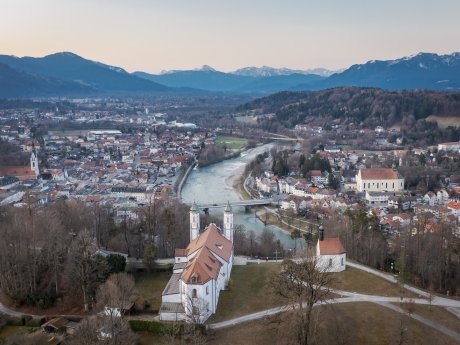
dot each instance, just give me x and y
(353, 104)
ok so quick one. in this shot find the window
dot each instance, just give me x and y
(341, 261)
(194, 294)
(330, 262)
(207, 290)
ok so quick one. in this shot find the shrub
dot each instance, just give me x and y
(146, 326)
(117, 263)
(33, 323)
(15, 321)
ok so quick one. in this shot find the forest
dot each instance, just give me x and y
(51, 253)
(369, 106)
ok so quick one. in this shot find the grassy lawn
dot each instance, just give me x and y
(26, 336)
(247, 119)
(233, 143)
(150, 286)
(445, 121)
(250, 292)
(355, 280)
(436, 314)
(346, 324)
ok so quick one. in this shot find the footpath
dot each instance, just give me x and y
(353, 297)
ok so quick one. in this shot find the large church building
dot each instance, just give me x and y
(200, 271)
(379, 180)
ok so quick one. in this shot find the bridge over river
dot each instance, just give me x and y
(246, 203)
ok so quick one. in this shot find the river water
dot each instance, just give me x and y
(214, 184)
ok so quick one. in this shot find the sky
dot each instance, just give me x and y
(155, 35)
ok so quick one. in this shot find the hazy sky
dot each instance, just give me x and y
(153, 35)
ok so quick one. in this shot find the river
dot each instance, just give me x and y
(214, 184)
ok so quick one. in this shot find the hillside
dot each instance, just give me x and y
(356, 105)
(48, 75)
(16, 83)
(421, 71)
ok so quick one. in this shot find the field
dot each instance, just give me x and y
(445, 121)
(252, 120)
(355, 323)
(355, 280)
(250, 292)
(150, 286)
(346, 324)
(437, 314)
(233, 143)
(26, 336)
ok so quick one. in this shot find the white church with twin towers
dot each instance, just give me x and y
(201, 271)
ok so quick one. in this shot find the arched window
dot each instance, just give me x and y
(207, 290)
(341, 261)
(194, 294)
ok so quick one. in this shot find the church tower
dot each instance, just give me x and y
(194, 222)
(34, 162)
(228, 222)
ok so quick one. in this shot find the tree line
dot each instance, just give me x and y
(424, 253)
(51, 252)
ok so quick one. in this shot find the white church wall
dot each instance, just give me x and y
(332, 263)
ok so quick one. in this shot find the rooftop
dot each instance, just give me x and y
(331, 246)
(379, 174)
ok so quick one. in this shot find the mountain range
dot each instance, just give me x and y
(67, 74)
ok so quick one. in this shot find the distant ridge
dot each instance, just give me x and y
(67, 74)
(420, 71)
(266, 71)
(78, 75)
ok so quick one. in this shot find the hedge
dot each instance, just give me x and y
(24, 320)
(146, 326)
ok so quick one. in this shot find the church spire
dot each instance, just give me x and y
(194, 221)
(194, 207)
(228, 208)
(228, 222)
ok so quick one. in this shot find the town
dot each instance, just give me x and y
(305, 182)
(229, 173)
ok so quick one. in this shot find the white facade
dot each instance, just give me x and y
(200, 271)
(377, 199)
(379, 180)
(34, 163)
(332, 263)
(194, 222)
(330, 254)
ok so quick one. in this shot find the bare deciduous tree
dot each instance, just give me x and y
(303, 284)
(96, 331)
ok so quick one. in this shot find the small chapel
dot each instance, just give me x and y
(201, 271)
(330, 253)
